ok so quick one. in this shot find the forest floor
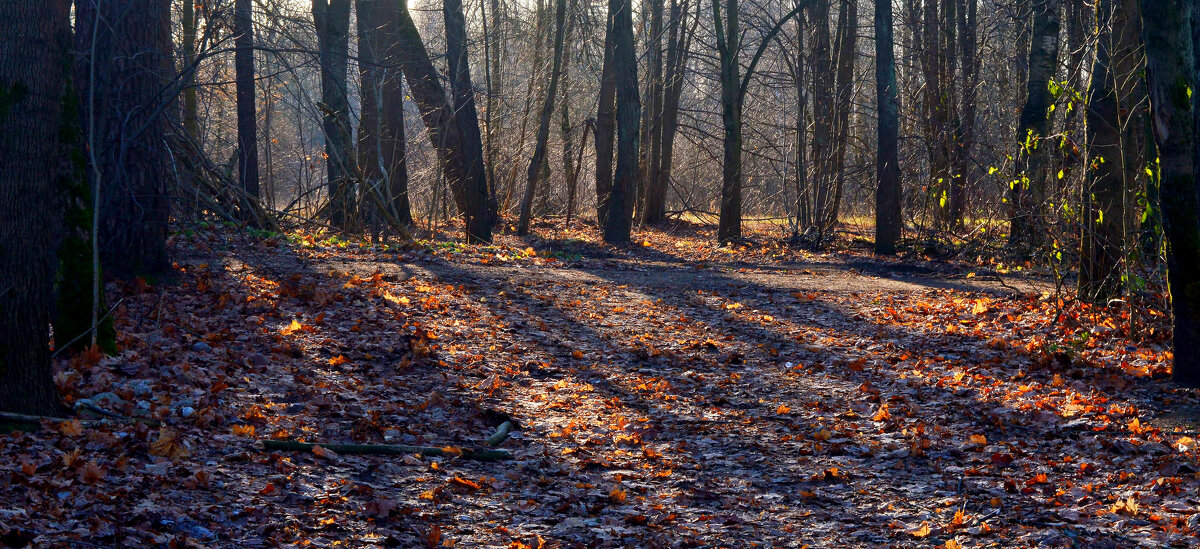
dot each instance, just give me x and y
(667, 394)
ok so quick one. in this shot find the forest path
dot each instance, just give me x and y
(667, 404)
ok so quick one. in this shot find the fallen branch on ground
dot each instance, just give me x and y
(479, 454)
(34, 420)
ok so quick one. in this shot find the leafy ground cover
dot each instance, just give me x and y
(666, 394)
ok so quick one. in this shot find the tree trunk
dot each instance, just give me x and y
(606, 121)
(677, 55)
(124, 72)
(566, 130)
(888, 222)
(624, 186)
(654, 206)
(964, 169)
(491, 53)
(381, 146)
(474, 179)
(800, 73)
(543, 134)
(729, 227)
(1170, 37)
(847, 52)
(823, 98)
(332, 19)
(247, 119)
(1028, 191)
(191, 116)
(1103, 218)
(35, 37)
(462, 163)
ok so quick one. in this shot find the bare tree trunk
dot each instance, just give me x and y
(1170, 36)
(243, 29)
(543, 135)
(729, 227)
(606, 121)
(679, 42)
(381, 145)
(964, 169)
(888, 222)
(1102, 241)
(847, 52)
(803, 204)
(467, 119)
(35, 37)
(654, 199)
(823, 111)
(124, 83)
(332, 19)
(1028, 192)
(191, 116)
(461, 163)
(620, 208)
(491, 54)
(565, 128)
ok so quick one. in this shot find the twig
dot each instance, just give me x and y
(24, 418)
(113, 415)
(479, 454)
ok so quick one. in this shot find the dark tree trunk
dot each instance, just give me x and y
(799, 75)
(606, 122)
(480, 221)
(247, 118)
(1167, 27)
(729, 227)
(823, 98)
(543, 135)
(679, 41)
(1028, 192)
(123, 81)
(462, 163)
(847, 52)
(964, 169)
(332, 19)
(191, 102)
(381, 139)
(624, 186)
(888, 222)
(35, 37)
(1110, 102)
(654, 204)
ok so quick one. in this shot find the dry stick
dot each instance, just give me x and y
(23, 418)
(479, 454)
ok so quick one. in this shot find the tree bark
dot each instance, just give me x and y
(823, 98)
(888, 221)
(35, 37)
(332, 19)
(124, 72)
(606, 121)
(729, 227)
(654, 205)
(473, 183)
(847, 53)
(1167, 27)
(543, 134)
(1110, 93)
(1028, 190)
(620, 207)
(964, 169)
(461, 162)
(247, 118)
(381, 138)
(678, 42)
